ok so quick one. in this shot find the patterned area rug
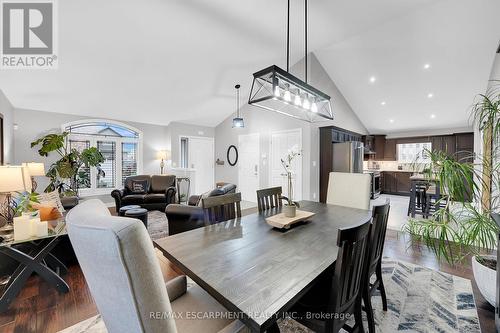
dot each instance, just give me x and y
(419, 300)
(157, 224)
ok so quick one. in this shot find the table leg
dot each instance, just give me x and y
(274, 328)
(28, 265)
(55, 264)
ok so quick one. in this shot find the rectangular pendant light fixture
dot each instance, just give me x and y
(277, 90)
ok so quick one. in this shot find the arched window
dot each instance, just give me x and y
(121, 146)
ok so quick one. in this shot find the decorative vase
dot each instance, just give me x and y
(486, 279)
(290, 210)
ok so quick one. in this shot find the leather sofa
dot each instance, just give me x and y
(149, 192)
(183, 218)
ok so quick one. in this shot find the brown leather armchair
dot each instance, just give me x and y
(150, 192)
(183, 218)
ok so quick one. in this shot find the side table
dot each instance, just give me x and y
(37, 258)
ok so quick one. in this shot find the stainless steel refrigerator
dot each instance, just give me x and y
(348, 157)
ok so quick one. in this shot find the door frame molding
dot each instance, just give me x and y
(258, 161)
(207, 138)
(298, 129)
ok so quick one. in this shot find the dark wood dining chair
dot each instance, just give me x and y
(221, 208)
(329, 304)
(270, 198)
(374, 263)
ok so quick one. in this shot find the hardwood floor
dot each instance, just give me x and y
(39, 308)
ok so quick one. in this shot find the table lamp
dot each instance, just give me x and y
(162, 155)
(36, 170)
(12, 179)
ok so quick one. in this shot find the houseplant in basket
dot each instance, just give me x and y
(463, 225)
(290, 208)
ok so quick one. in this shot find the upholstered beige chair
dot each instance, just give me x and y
(121, 268)
(349, 190)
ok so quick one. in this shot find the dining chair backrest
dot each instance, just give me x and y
(349, 190)
(221, 208)
(269, 198)
(349, 267)
(120, 266)
(380, 215)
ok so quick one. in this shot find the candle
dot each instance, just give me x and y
(41, 229)
(22, 228)
(33, 226)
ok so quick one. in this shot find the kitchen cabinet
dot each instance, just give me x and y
(390, 150)
(465, 147)
(396, 182)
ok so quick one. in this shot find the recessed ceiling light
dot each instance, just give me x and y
(373, 79)
(433, 116)
(391, 120)
(430, 95)
(427, 66)
(383, 103)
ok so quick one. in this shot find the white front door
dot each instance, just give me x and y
(248, 166)
(281, 143)
(201, 159)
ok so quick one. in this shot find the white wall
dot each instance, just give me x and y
(175, 130)
(34, 124)
(265, 122)
(7, 110)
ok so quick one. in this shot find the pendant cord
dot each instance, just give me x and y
(305, 41)
(288, 38)
(238, 100)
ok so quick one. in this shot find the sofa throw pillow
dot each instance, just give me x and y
(139, 187)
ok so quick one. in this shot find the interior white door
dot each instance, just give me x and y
(201, 158)
(248, 166)
(281, 143)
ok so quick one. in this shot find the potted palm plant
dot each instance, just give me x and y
(70, 171)
(463, 225)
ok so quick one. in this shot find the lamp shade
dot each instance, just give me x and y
(35, 169)
(162, 154)
(13, 178)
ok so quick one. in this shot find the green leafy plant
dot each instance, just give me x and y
(25, 202)
(462, 225)
(71, 171)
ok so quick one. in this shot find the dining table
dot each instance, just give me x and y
(256, 271)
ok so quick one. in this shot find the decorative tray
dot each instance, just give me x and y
(280, 221)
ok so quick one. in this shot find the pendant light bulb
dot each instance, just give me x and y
(306, 105)
(287, 96)
(297, 100)
(314, 107)
(276, 86)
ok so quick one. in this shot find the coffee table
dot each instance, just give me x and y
(35, 257)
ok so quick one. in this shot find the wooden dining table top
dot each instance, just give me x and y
(257, 271)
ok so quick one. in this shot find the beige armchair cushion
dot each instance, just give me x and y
(349, 190)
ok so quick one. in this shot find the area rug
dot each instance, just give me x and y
(419, 300)
(157, 224)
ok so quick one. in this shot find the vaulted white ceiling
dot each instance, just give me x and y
(158, 61)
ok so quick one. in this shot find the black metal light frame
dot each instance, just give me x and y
(272, 83)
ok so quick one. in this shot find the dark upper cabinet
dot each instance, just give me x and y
(437, 143)
(379, 146)
(465, 147)
(449, 144)
(390, 150)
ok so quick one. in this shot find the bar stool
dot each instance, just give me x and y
(433, 200)
(418, 197)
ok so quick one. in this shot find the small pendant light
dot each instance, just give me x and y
(238, 120)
